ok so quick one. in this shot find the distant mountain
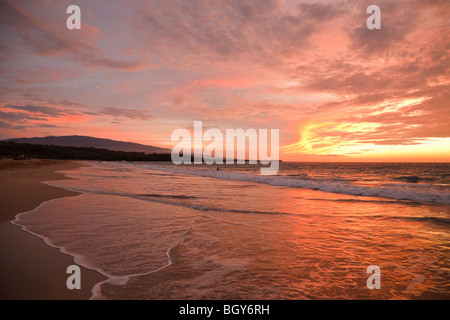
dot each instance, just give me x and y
(85, 141)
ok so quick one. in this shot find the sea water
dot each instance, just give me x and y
(160, 231)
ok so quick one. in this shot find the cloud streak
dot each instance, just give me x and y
(44, 38)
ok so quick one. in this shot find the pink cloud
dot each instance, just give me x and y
(279, 64)
(50, 39)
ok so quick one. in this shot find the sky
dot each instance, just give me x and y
(138, 70)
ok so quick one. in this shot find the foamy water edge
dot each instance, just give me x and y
(82, 260)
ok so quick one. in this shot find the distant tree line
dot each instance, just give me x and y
(25, 151)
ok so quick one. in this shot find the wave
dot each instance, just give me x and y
(422, 193)
(154, 195)
(360, 200)
(445, 221)
(438, 220)
(164, 199)
(413, 179)
(77, 258)
(96, 293)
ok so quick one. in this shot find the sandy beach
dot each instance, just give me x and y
(29, 268)
(164, 232)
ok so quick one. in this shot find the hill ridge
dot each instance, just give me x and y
(88, 141)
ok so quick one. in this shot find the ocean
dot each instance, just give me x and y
(160, 231)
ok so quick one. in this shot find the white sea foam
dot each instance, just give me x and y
(77, 258)
(123, 280)
(420, 193)
(399, 191)
(124, 239)
(81, 260)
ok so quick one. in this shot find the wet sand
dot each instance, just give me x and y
(30, 269)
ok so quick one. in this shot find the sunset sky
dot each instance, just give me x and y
(137, 70)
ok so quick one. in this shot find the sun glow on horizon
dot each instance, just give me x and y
(326, 138)
(340, 140)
